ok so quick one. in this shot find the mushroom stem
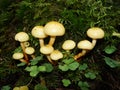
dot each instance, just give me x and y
(33, 56)
(41, 41)
(23, 48)
(94, 41)
(50, 60)
(52, 40)
(22, 60)
(80, 54)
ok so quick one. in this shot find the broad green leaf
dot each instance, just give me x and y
(48, 67)
(21, 64)
(90, 75)
(73, 66)
(68, 61)
(83, 84)
(112, 63)
(66, 82)
(42, 68)
(28, 69)
(110, 49)
(34, 73)
(63, 67)
(32, 68)
(40, 87)
(6, 87)
(36, 60)
(83, 67)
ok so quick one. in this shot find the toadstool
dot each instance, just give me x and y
(53, 29)
(85, 45)
(19, 56)
(56, 55)
(47, 50)
(22, 37)
(68, 45)
(30, 51)
(95, 33)
(38, 32)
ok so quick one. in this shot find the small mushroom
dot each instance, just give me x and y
(26, 44)
(38, 32)
(56, 55)
(53, 29)
(68, 45)
(22, 37)
(24, 88)
(30, 51)
(85, 45)
(95, 33)
(19, 56)
(47, 50)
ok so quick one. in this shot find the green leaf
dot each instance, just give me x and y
(90, 75)
(48, 67)
(63, 67)
(42, 68)
(36, 60)
(112, 63)
(83, 67)
(34, 73)
(68, 61)
(66, 82)
(83, 85)
(32, 68)
(21, 64)
(40, 87)
(6, 87)
(110, 49)
(73, 66)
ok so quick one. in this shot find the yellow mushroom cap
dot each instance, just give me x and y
(21, 37)
(56, 55)
(38, 32)
(47, 49)
(29, 50)
(54, 28)
(68, 45)
(95, 33)
(18, 56)
(16, 88)
(24, 88)
(85, 44)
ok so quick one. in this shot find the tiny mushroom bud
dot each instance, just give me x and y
(30, 51)
(24, 88)
(26, 44)
(18, 56)
(95, 33)
(53, 29)
(68, 45)
(56, 55)
(85, 45)
(22, 37)
(38, 32)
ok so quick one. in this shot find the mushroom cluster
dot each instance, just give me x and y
(94, 33)
(53, 29)
(23, 38)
